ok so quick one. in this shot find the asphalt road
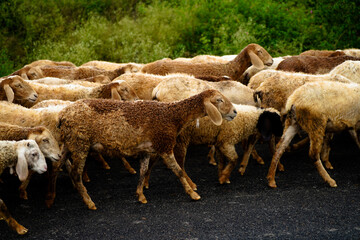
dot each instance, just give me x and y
(302, 207)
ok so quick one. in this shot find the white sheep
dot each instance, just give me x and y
(349, 69)
(133, 128)
(180, 86)
(318, 108)
(20, 155)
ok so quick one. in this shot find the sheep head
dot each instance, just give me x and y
(259, 56)
(121, 90)
(35, 73)
(16, 88)
(218, 107)
(47, 144)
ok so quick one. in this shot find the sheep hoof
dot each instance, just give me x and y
(142, 199)
(272, 184)
(332, 183)
(260, 161)
(242, 170)
(281, 167)
(49, 201)
(328, 165)
(23, 195)
(212, 162)
(132, 171)
(92, 206)
(21, 230)
(222, 179)
(195, 196)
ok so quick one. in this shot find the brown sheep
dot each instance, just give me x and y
(322, 53)
(23, 72)
(110, 66)
(71, 73)
(17, 90)
(312, 64)
(251, 54)
(137, 128)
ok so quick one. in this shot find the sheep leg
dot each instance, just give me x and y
(180, 151)
(56, 168)
(288, 135)
(325, 151)
(144, 166)
(211, 154)
(256, 156)
(76, 171)
(147, 174)
(248, 149)
(13, 224)
(24, 184)
(354, 135)
(171, 163)
(221, 162)
(298, 145)
(272, 146)
(99, 158)
(316, 141)
(127, 166)
(229, 152)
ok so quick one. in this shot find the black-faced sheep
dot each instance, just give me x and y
(134, 128)
(251, 54)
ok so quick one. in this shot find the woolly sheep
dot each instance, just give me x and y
(248, 126)
(22, 155)
(117, 90)
(312, 64)
(17, 90)
(349, 69)
(203, 59)
(110, 66)
(59, 81)
(337, 108)
(322, 53)
(23, 72)
(252, 70)
(251, 54)
(355, 52)
(183, 86)
(72, 73)
(133, 128)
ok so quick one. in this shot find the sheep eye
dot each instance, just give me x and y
(219, 100)
(46, 140)
(34, 154)
(18, 86)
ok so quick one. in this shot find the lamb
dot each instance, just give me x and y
(72, 73)
(22, 155)
(15, 89)
(251, 54)
(179, 87)
(337, 108)
(41, 135)
(249, 125)
(110, 66)
(140, 128)
(117, 90)
(23, 72)
(252, 70)
(349, 69)
(312, 64)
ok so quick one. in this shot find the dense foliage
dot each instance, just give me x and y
(146, 30)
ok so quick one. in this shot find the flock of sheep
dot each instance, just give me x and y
(154, 111)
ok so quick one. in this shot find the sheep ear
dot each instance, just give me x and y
(9, 93)
(22, 167)
(114, 94)
(255, 60)
(24, 76)
(213, 113)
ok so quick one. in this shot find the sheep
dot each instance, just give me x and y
(203, 59)
(72, 73)
(58, 81)
(110, 66)
(276, 86)
(251, 54)
(355, 52)
(252, 70)
(322, 53)
(41, 135)
(142, 128)
(22, 155)
(117, 90)
(249, 125)
(51, 103)
(23, 72)
(337, 108)
(312, 64)
(349, 69)
(17, 90)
